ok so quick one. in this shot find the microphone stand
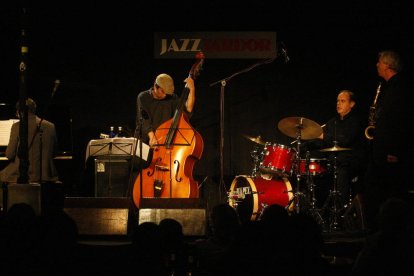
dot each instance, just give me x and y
(138, 137)
(223, 83)
(22, 151)
(40, 131)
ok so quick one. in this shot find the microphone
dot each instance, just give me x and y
(284, 52)
(55, 87)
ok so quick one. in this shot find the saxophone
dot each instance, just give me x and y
(369, 130)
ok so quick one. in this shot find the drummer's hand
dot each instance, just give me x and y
(392, 158)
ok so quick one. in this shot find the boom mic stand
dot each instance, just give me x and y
(223, 83)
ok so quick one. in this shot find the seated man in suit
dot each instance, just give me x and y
(42, 148)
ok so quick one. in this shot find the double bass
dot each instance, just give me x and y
(179, 147)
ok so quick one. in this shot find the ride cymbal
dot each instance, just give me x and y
(334, 148)
(292, 126)
(257, 139)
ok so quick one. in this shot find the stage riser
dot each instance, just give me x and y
(47, 197)
(101, 216)
(118, 216)
(22, 193)
(193, 221)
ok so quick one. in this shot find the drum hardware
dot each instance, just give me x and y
(334, 200)
(309, 182)
(257, 156)
(313, 211)
(264, 206)
(257, 153)
(299, 128)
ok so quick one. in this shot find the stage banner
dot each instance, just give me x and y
(215, 45)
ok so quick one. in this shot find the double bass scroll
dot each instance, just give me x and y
(179, 147)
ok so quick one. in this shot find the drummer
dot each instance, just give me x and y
(345, 130)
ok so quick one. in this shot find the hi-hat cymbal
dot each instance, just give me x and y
(334, 148)
(292, 126)
(257, 139)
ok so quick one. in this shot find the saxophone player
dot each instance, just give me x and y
(387, 170)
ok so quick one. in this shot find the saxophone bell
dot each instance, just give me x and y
(369, 132)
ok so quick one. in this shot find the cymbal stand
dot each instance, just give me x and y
(334, 201)
(256, 156)
(297, 195)
(311, 188)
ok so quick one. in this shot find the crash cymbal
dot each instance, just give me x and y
(309, 129)
(334, 148)
(257, 139)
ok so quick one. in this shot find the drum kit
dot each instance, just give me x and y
(274, 164)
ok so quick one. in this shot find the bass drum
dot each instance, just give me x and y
(249, 196)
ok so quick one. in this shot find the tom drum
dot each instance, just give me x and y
(277, 159)
(316, 166)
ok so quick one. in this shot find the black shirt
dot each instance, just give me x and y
(394, 126)
(348, 133)
(156, 111)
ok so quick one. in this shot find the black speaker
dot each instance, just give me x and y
(112, 175)
(22, 193)
(189, 212)
(101, 216)
(43, 198)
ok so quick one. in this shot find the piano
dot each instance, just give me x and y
(7, 111)
(61, 116)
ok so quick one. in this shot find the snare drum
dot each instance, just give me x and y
(249, 196)
(277, 159)
(316, 166)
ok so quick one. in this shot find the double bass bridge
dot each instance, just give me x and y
(162, 168)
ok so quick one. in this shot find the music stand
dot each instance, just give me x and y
(180, 137)
(111, 148)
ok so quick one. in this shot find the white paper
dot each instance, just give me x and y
(116, 146)
(145, 150)
(5, 129)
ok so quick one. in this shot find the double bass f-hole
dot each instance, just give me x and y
(177, 171)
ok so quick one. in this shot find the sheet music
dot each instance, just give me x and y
(116, 146)
(5, 129)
